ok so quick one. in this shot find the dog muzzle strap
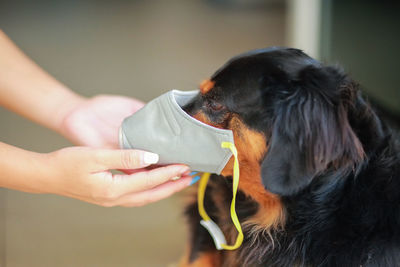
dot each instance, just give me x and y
(210, 225)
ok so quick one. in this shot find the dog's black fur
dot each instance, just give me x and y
(330, 158)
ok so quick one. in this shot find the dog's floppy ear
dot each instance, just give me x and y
(311, 131)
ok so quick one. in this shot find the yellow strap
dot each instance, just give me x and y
(200, 196)
(202, 189)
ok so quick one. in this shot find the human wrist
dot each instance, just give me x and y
(43, 178)
(65, 101)
(31, 177)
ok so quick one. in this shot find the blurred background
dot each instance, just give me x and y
(142, 49)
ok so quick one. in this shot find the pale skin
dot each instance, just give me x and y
(77, 172)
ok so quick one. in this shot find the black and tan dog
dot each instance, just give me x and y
(319, 171)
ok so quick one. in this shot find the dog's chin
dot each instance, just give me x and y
(228, 169)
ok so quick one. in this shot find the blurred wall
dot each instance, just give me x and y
(133, 48)
(364, 38)
(360, 36)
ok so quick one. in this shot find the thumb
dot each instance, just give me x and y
(126, 159)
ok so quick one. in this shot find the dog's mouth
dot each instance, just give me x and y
(194, 110)
(251, 145)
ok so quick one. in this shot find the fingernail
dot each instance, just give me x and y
(192, 173)
(150, 158)
(175, 178)
(184, 170)
(194, 180)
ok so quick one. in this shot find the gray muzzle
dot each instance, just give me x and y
(162, 127)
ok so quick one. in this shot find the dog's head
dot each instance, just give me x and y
(289, 116)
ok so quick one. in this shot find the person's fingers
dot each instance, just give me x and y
(155, 194)
(125, 159)
(131, 171)
(148, 179)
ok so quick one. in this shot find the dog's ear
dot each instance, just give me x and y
(311, 132)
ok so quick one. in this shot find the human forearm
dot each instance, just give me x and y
(83, 173)
(20, 169)
(28, 90)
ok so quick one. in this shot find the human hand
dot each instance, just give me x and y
(84, 173)
(95, 121)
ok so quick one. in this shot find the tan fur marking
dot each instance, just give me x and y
(251, 146)
(200, 116)
(206, 86)
(208, 259)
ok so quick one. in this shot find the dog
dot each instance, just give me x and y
(319, 170)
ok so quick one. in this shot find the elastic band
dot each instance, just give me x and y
(202, 189)
(200, 196)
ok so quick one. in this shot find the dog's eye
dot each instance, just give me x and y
(215, 106)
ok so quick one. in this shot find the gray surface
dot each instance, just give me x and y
(134, 48)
